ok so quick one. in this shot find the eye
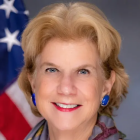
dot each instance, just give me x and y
(83, 71)
(51, 70)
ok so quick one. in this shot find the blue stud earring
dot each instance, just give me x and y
(33, 99)
(105, 100)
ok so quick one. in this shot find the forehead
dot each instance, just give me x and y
(79, 51)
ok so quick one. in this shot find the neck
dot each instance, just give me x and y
(82, 132)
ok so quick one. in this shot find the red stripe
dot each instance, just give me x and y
(12, 124)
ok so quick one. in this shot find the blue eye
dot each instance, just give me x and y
(51, 70)
(84, 71)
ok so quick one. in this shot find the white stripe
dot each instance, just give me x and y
(2, 136)
(17, 96)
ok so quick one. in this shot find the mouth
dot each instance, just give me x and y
(66, 107)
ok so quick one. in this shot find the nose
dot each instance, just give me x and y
(66, 85)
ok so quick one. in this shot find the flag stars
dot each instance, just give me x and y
(10, 39)
(26, 12)
(8, 7)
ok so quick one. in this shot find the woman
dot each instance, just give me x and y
(72, 75)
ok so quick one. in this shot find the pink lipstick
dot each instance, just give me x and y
(66, 109)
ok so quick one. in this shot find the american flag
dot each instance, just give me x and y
(16, 119)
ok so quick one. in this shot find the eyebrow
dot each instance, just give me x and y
(79, 67)
(87, 65)
(48, 64)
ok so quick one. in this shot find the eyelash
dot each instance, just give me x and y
(53, 70)
(84, 70)
(48, 70)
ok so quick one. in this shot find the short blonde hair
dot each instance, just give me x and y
(73, 21)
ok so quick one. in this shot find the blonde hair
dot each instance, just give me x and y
(71, 21)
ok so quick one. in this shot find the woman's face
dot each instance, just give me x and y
(68, 83)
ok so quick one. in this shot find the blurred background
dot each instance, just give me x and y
(124, 15)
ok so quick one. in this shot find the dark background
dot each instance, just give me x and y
(124, 15)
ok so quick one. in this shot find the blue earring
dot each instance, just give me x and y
(105, 100)
(33, 99)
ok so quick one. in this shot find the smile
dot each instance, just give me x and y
(66, 107)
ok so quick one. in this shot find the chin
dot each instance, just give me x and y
(65, 126)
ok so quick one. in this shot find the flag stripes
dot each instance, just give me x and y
(16, 95)
(12, 124)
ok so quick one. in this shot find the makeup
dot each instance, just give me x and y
(66, 107)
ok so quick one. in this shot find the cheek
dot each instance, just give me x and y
(93, 98)
(91, 91)
(44, 89)
(44, 95)
(44, 83)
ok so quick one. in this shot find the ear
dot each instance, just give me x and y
(32, 82)
(109, 84)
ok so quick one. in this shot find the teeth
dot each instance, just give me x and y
(66, 106)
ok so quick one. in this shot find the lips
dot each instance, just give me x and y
(66, 107)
